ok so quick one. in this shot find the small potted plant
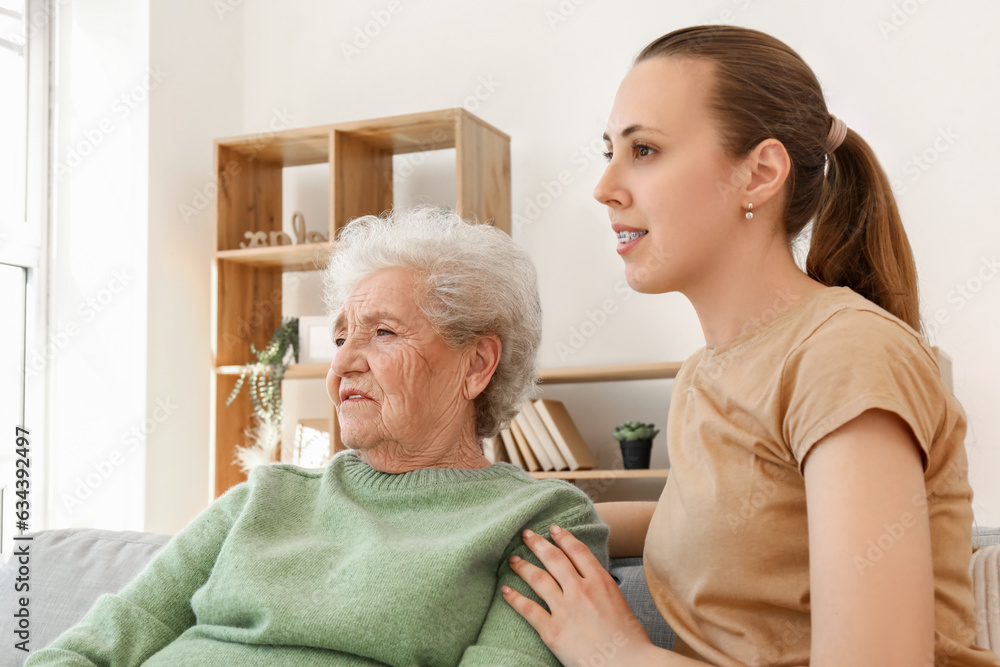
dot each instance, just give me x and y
(636, 440)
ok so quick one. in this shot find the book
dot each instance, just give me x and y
(544, 439)
(492, 449)
(565, 434)
(534, 444)
(530, 462)
(510, 448)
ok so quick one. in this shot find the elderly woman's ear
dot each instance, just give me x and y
(484, 356)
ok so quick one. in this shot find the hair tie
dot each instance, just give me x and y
(838, 130)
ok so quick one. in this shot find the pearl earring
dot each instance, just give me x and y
(750, 211)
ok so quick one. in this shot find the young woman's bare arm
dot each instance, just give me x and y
(629, 522)
(864, 491)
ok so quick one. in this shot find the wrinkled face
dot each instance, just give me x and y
(393, 379)
(669, 185)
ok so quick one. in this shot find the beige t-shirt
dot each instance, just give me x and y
(727, 554)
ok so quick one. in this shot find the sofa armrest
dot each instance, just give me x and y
(66, 571)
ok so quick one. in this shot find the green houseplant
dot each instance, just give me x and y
(636, 441)
(262, 378)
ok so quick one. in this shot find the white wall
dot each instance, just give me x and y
(200, 47)
(548, 80)
(96, 352)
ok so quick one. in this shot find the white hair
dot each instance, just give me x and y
(475, 281)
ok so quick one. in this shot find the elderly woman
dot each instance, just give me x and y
(397, 552)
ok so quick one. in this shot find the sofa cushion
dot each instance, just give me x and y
(631, 578)
(68, 569)
(985, 537)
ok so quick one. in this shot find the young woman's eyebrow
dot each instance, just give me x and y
(632, 129)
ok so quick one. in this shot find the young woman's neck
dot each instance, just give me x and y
(748, 291)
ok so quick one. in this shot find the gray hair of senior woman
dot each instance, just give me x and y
(474, 281)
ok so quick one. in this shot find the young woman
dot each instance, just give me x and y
(817, 509)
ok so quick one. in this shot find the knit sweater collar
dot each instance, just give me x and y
(350, 465)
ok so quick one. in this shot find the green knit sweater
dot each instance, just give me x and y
(340, 566)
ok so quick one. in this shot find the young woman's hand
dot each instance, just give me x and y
(588, 616)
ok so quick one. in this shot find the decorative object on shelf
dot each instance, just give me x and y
(636, 440)
(264, 388)
(301, 235)
(272, 239)
(316, 343)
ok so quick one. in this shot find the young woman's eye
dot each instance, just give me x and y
(641, 150)
(607, 155)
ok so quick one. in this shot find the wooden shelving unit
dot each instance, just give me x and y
(616, 373)
(246, 283)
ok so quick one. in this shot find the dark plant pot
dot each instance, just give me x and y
(635, 453)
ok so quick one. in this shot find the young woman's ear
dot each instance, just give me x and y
(768, 165)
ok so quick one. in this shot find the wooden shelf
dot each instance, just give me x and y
(617, 373)
(298, 257)
(603, 474)
(658, 371)
(293, 372)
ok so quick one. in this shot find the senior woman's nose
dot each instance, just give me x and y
(349, 358)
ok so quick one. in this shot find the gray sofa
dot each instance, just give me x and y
(68, 569)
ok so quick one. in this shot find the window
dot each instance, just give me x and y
(25, 63)
(13, 112)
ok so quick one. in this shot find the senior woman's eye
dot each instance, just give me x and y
(338, 341)
(384, 332)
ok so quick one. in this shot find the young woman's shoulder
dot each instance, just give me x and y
(851, 356)
(841, 323)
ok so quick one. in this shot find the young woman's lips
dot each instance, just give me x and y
(625, 246)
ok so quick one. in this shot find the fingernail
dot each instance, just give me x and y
(515, 559)
(527, 533)
(507, 590)
(555, 530)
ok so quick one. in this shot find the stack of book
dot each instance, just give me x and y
(541, 437)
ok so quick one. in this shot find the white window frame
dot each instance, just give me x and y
(41, 25)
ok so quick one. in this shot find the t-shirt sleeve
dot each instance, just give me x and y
(155, 607)
(856, 361)
(506, 638)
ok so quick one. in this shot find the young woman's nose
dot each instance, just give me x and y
(610, 190)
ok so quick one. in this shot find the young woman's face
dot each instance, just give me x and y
(668, 179)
